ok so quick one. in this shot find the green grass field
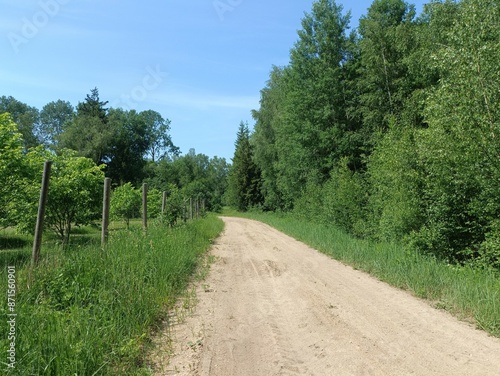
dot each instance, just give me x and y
(470, 294)
(88, 311)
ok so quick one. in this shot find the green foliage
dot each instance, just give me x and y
(392, 134)
(385, 84)
(121, 139)
(89, 136)
(75, 196)
(489, 252)
(54, 118)
(316, 131)
(216, 187)
(11, 148)
(345, 198)
(155, 198)
(194, 175)
(160, 142)
(132, 145)
(26, 118)
(127, 147)
(460, 152)
(125, 203)
(93, 107)
(339, 201)
(263, 139)
(394, 209)
(310, 205)
(75, 192)
(174, 207)
(89, 133)
(244, 176)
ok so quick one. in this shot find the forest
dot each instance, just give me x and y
(389, 132)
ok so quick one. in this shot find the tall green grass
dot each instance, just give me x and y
(470, 294)
(85, 311)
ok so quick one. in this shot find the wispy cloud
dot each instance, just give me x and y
(205, 101)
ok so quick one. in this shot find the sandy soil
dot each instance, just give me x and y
(273, 306)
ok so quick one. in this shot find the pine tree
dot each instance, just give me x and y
(244, 176)
(89, 132)
(93, 106)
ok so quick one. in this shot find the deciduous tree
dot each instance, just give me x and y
(26, 118)
(54, 118)
(11, 154)
(75, 192)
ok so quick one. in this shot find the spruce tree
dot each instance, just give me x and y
(244, 176)
(89, 132)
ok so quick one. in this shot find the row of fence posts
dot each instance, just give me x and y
(196, 207)
(106, 201)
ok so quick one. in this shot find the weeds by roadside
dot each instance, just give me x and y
(90, 312)
(162, 347)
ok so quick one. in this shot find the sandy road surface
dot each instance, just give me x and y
(273, 306)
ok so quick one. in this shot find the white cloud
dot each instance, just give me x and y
(205, 101)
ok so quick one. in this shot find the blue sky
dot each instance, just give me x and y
(199, 63)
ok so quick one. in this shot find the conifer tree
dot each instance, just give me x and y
(244, 176)
(89, 132)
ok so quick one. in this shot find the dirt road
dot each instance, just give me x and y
(273, 306)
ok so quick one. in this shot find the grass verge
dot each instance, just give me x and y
(85, 311)
(470, 294)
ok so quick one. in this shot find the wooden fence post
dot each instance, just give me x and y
(164, 203)
(105, 211)
(145, 207)
(37, 243)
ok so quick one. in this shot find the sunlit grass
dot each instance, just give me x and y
(88, 311)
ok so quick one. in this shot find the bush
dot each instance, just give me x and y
(155, 198)
(394, 207)
(489, 252)
(174, 208)
(75, 192)
(309, 205)
(125, 203)
(344, 199)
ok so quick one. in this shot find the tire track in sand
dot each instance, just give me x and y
(273, 306)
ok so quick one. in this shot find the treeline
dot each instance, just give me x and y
(391, 131)
(122, 140)
(87, 143)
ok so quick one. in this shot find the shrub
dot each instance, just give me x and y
(125, 203)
